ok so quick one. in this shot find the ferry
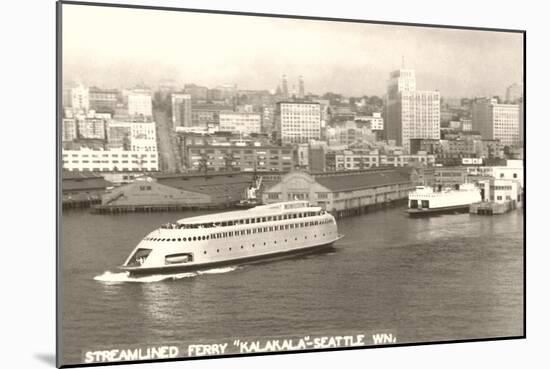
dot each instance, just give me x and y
(424, 200)
(264, 232)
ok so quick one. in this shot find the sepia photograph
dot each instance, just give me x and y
(235, 184)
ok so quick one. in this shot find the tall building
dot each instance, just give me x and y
(514, 93)
(181, 110)
(298, 122)
(285, 87)
(301, 88)
(410, 113)
(496, 121)
(80, 98)
(140, 103)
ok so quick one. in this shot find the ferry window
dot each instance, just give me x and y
(179, 239)
(253, 245)
(247, 221)
(295, 238)
(275, 242)
(184, 239)
(294, 216)
(224, 224)
(207, 237)
(242, 247)
(264, 243)
(285, 240)
(305, 237)
(218, 250)
(173, 240)
(269, 219)
(194, 238)
(263, 219)
(204, 252)
(230, 249)
(253, 220)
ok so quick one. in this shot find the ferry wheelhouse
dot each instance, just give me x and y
(229, 238)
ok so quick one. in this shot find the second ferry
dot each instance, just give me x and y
(424, 200)
(263, 232)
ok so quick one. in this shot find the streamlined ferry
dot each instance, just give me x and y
(424, 200)
(263, 232)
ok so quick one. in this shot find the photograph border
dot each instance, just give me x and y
(58, 171)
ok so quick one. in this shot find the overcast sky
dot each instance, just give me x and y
(116, 47)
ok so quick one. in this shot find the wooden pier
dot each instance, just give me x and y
(367, 208)
(122, 209)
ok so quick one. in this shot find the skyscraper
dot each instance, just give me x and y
(301, 88)
(181, 110)
(410, 113)
(496, 121)
(298, 122)
(285, 87)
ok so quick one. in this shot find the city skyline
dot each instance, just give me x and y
(350, 58)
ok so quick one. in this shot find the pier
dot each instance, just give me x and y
(492, 208)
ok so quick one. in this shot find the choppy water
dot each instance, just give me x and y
(427, 279)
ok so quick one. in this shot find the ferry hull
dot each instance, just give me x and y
(172, 269)
(441, 210)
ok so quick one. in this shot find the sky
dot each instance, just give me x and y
(120, 48)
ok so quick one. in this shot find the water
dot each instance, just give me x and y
(423, 279)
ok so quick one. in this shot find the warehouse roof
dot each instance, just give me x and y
(220, 187)
(79, 181)
(349, 182)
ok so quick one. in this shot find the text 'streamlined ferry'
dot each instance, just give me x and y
(262, 232)
(424, 200)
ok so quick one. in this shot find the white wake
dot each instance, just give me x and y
(124, 277)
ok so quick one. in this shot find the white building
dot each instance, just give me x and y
(350, 160)
(375, 121)
(80, 98)
(181, 110)
(109, 160)
(497, 121)
(501, 190)
(512, 171)
(140, 103)
(410, 113)
(298, 122)
(349, 133)
(140, 136)
(240, 122)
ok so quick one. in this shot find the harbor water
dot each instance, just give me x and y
(439, 278)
